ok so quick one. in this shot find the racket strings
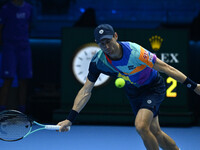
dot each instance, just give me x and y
(13, 126)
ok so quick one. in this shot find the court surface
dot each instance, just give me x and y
(100, 138)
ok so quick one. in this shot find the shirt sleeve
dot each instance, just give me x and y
(147, 57)
(93, 72)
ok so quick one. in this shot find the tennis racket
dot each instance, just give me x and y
(15, 126)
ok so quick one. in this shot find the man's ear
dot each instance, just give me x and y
(116, 36)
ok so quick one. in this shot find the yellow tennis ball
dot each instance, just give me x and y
(119, 82)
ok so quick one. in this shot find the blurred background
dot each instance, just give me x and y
(60, 28)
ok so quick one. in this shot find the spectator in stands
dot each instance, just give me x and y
(15, 18)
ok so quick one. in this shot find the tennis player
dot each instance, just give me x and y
(144, 87)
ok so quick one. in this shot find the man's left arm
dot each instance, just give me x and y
(176, 74)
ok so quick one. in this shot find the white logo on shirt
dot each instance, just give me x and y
(151, 57)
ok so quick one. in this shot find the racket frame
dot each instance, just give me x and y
(42, 126)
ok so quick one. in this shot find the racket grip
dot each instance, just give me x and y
(54, 127)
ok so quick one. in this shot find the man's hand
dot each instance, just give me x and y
(197, 89)
(64, 124)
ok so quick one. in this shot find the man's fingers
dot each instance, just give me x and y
(59, 124)
(64, 128)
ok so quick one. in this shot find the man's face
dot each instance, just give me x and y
(108, 46)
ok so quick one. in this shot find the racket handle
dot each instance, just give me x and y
(54, 127)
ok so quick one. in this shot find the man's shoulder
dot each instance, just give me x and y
(99, 59)
(130, 46)
(99, 55)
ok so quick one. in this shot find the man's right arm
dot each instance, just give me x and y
(83, 96)
(80, 101)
